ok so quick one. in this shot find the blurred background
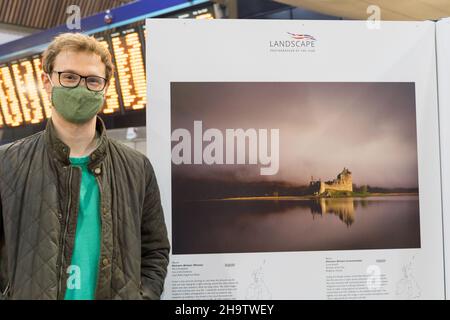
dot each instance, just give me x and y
(27, 27)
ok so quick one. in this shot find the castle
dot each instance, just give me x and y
(343, 182)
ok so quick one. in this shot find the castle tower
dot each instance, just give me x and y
(345, 179)
(343, 182)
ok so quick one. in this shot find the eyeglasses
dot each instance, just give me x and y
(72, 80)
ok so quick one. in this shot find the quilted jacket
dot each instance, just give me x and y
(39, 195)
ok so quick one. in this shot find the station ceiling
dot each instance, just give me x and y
(44, 14)
(390, 9)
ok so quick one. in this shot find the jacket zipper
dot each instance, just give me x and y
(63, 241)
(100, 190)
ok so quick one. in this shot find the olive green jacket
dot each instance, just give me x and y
(39, 195)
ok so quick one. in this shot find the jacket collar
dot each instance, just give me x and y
(60, 151)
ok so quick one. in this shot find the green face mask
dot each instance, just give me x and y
(76, 105)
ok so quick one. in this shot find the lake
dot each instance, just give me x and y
(234, 226)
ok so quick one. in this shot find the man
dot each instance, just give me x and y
(80, 214)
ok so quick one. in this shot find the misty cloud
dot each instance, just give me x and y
(369, 128)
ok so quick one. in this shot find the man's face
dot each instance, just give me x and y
(82, 63)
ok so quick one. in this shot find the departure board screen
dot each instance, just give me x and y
(27, 90)
(9, 101)
(2, 123)
(128, 54)
(23, 100)
(202, 13)
(112, 104)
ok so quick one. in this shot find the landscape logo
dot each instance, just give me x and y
(294, 42)
(298, 36)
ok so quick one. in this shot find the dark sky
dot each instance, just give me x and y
(369, 128)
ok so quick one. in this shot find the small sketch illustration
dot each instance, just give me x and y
(258, 289)
(407, 286)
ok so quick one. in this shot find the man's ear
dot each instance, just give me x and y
(46, 83)
(106, 88)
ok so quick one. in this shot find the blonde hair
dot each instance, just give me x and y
(79, 43)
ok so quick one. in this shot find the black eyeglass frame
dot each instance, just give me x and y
(79, 81)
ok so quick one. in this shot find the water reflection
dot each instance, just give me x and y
(296, 224)
(344, 208)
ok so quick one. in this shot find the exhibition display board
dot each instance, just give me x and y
(299, 159)
(443, 58)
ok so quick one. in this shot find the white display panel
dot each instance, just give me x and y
(309, 100)
(443, 58)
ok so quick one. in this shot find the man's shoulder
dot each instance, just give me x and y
(21, 145)
(15, 153)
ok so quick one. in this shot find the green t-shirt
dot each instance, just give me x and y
(83, 271)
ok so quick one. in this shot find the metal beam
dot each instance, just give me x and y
(126, 14)
(389, 9)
